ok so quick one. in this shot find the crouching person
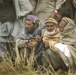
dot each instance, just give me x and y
(67, 45)
(50, 38)
(27, 39)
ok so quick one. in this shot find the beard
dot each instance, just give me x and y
(30, 31)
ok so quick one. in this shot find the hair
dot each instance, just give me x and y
(65, 12)
(36, 22)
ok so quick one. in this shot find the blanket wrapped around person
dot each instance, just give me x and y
(68, 41)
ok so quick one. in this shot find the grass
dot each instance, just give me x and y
(6, 68)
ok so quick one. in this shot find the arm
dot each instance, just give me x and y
(20, 43)
(58, 4)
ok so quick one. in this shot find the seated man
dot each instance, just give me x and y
(50, 38)
(29, 37)
(67, 45)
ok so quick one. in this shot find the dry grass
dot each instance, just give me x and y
(6, 68)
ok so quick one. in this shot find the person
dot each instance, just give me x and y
(63, 12)
(11, 16)
(29, 37)
(45, 9)
(50, 38)
(67, 45)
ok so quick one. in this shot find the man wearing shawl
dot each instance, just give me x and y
(50, 38)
(67, 45)
(28, 37)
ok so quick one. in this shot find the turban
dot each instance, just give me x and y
(51, 20)
(33, 18)
(67, 20)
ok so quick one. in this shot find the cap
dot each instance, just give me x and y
(52, 20)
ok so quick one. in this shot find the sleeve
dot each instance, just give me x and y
(59, 3)
(20, 43)
(22, 34)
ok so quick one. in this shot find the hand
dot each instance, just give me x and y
(53, 15)
(38, 38)
(51, 45)
(31, 44)
(46, 44)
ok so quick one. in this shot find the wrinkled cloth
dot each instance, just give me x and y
(24, 35)
(9, 30)
(13, 28)
(8, 33)
(64, 52)
(45, 8)
(21, 44)
(5, 6)
(22, 7)
(68, 38)
(50, 55)
(52, 39)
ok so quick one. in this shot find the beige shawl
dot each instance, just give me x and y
(52, 39)
(68, 37)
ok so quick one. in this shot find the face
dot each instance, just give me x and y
(62, 25)
(29, 26)
(74, 4)
(50, 26)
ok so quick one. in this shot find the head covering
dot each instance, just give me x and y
(68, 20)
(63, 11)
(69, 28)
(68, 36)
(51, 20)
(33, 18)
